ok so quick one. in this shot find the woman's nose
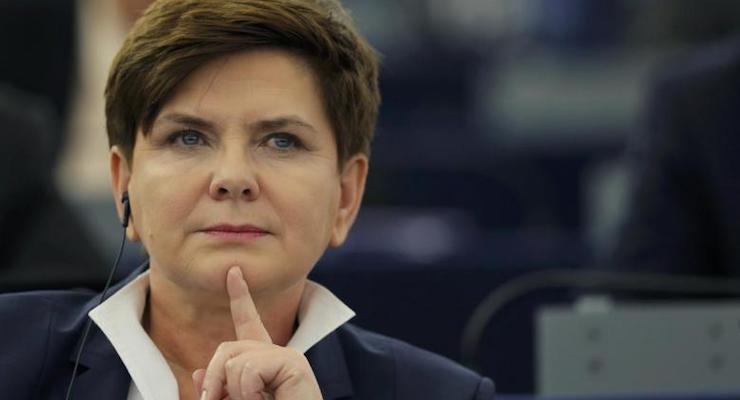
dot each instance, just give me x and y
(234, 178)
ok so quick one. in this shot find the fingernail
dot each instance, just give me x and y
(204, 395)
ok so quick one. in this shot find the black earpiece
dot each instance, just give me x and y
(126, 209)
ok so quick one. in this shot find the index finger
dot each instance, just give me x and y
(247, 322)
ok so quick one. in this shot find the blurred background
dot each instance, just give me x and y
(512, 140)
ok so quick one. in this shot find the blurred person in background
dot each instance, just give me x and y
(42, 242)
(100, 30)
(240, 133)
(51, 109)
(64, 60)
(684, 212)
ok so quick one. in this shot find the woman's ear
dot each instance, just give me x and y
(352, 187)
(120, 173)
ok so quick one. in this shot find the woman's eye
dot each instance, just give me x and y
(283, 141)
(187, 138)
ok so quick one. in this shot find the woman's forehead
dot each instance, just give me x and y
(259, 81)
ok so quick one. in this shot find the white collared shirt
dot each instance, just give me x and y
(119, 317)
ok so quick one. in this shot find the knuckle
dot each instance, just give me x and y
(297, 357)
(296, 364)
(248, 367)
(225, 347)
(296, 375)
(221, 347)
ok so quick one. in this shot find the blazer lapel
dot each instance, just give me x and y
(330, 368)
(101, 374)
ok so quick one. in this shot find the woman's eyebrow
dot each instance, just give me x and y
(189, 120)
(273, 124)
(263, 125)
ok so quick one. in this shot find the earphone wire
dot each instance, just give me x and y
(89, 320)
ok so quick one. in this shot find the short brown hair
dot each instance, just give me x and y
(175, 37)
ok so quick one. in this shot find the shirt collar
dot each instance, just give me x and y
(119, 318)
(319, 313)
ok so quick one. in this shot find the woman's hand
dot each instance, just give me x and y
(252, 368)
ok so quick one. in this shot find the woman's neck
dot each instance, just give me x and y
(187, 332)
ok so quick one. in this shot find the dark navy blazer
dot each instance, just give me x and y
(40, 334)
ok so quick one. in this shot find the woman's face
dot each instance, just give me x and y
(240, 168)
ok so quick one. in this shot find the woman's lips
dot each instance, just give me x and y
(234, 232)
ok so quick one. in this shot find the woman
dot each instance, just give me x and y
(240, 134)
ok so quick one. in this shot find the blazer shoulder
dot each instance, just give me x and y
(416, 373)
(35, 315)
(30, 322)
(63, 304)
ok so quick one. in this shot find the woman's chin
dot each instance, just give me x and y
(213, 278)
(208, 274)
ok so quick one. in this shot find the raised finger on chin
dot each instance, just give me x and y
(247, 322)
